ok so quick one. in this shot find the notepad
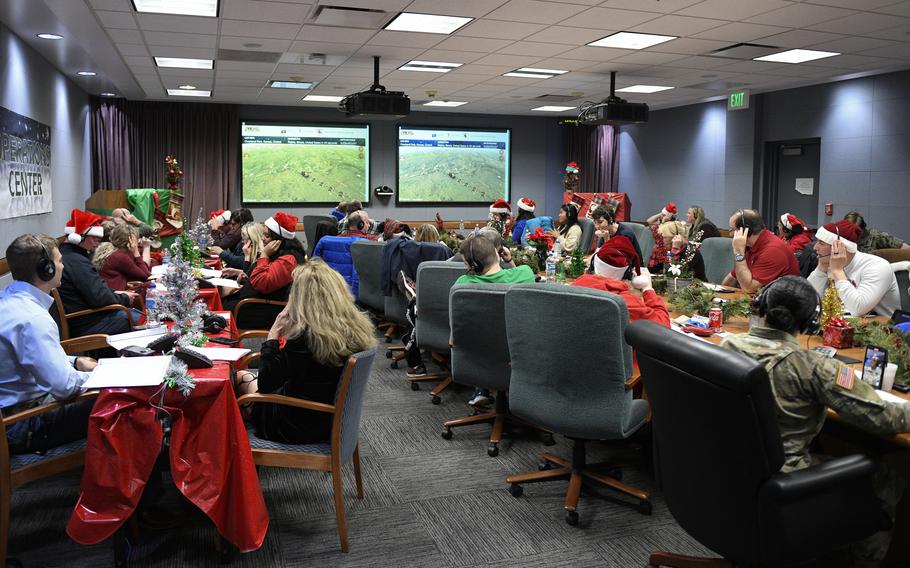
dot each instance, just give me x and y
(140, 338)
(223, 282)
(222, 353)
(128, 372)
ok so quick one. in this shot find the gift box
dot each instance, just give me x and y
(838, 334)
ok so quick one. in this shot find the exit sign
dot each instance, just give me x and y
(738, 100)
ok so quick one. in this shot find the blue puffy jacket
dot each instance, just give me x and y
(336, 252)
(545, 223)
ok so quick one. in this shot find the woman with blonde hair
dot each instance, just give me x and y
(322, 327)
(695, 217)
(125, 260)
(426, 233)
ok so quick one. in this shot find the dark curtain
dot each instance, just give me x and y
(131, 138)
(596, 150)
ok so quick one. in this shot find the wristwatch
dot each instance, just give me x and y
(739, 257)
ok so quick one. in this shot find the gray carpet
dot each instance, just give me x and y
(428, 502)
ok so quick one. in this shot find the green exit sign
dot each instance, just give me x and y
(738, 100)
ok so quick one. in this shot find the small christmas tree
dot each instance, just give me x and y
(577, 265)
(179, 303)
(178, 378)
(832, 307)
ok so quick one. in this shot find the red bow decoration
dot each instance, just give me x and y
(838, 322)
(540, 237)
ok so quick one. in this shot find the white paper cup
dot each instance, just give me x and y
(888, 379)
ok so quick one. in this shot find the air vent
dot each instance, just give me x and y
(248, 56)
(744, 51)
(556, 98)
(349, 17)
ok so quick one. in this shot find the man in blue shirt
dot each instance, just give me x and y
(34, 369)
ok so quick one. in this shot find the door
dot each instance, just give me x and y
(793, 168)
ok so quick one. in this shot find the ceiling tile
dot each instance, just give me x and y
(900, 9)
(327, 48)
(901, 51)
(138, 62)
(181, 24)
(125, 36)
(251, 66)
(800, 15)
(487, 70)
(189, 52)
(608, 19)
(254, 44)
(738, 32)
(855, 4)
(677, 25)
(116, 5)
(499, 29)
(701, 62)
(855, 62)
(117, 20)
(689, 46)
(859, 24)
(334, 34)
(899, 33)
(405, 39)
(535, 12)
(181, 40)
(513, 61)
(449, 56)
(405, 53)
(561, 63)
(484, 45)
(664, 6)
(239, 82)
(734, 10)
(132, 49)
(853, 44)
(565, 34)
(309, 71)
(752, 67)
(257, 11)
(649, 58)
(262, 74)
(259, 29)
(799, 38)
(536, 49)
(469, 8)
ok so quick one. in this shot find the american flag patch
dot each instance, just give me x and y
(845, 377)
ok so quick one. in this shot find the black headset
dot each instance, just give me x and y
(45, 267)
(360, 223)
(213, 323)
(476, 266)
(741, 222)
(810, 327)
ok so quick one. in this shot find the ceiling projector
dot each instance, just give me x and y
(376, 102)
(613, 110)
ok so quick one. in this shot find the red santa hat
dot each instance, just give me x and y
(83, 224)
(615, 257)
(572, 168)
(501, 206)
(789, 221)
(283, 224)
(527, 204)
(847, 232)
(669, 209)
(222, 215)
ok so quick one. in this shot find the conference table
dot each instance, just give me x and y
(209, 454)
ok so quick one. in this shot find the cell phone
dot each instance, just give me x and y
(825, 350)
(903, 387)
(874, 363)
(224, 340)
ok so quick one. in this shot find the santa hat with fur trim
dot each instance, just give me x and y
(222, 215)
(669, 209)
(501, 206)
(283, 224)
(615, 257)
(847, 232)
(83, 224)
(789, 221)
(527, 204)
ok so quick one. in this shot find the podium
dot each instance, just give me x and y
(590, 201)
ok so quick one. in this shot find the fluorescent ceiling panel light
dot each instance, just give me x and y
(429, 66)
(321, 99)
(50, 36)
(526, 75)
(541, 71)
(426, 23)
(444, 103)
(108, 94)
(631, 40)
(207, 8)
(86, 73)
(643, 89)
(291, 85)
(796, 56)
(550, 108)
(187, 87)
(183, 63)
(188, 93)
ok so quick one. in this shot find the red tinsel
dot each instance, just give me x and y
(539, 238)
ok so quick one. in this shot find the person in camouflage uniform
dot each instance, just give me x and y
(873, 239)
(805, 383)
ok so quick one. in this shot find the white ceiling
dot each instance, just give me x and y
(109, 37)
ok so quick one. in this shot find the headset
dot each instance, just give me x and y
(476, 266)
(741, 222)
(45, 267)
(810, 327)
(213, 323)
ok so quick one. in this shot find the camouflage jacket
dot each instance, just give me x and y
(873, 239)
(804, 383)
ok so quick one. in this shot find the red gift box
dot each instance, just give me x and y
(838, 334)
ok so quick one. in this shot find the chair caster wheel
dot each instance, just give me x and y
(544, 466)
(644, 507)
(547, 439)
(516, 490)
(415, 386)
(572, 518)
(493, 451)
(436, 399)
(446, 434)
(388, 354)
(394, 364)
(615, 473)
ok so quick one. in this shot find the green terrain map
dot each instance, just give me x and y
(450, 174)
(303, 173)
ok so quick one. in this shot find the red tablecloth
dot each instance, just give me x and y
(211, 298)
(210, 459)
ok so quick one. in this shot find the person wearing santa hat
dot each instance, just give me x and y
(758, 256)
(526, 207)
(82, 288)
(865, 282)
(501, 216)
(792, 230)
(668, 213)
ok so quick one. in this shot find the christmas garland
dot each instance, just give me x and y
(883, 334)
(697, 299)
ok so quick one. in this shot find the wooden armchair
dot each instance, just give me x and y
(270, 307)
(19, 469)
(330, 455)
(63, 317)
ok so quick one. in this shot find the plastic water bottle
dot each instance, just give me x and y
(669, 261)
(551, 267)
(165, 258)
(560, 273)
(461, 226)
(557, 249)
(151, 305)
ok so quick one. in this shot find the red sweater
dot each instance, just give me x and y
(122, 267)
(798, 242)
(649, 306)
(271, 276)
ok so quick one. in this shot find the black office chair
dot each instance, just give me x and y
(717, 459)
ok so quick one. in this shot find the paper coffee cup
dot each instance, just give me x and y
(888, 379)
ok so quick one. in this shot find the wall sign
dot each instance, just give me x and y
(738, 100)
(806, 186)
(25, 165)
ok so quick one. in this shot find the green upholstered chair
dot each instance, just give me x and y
(645, 239)
(309, 230)
(587, 234)
(717, 253)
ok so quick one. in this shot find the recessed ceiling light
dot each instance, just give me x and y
(50, 36)
(429, 66)
(188, 93)
(426, 23)
(541, 71)
(184, 63)
(796, 56)
(187, 87)
(550, 108)
(631, 40)
(86, 73)
(321, 99)
(107, 94)
(444, 103)
(643, 89)
(291, 85)
(527, 75)
(180, 7)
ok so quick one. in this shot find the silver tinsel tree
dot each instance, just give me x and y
(178, 377)
(179, 303)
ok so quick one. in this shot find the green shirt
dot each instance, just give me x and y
(873, 239)
(518, 275)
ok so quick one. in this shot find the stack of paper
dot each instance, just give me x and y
(128, 372)
(140, 338)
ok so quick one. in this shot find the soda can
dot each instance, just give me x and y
(715, 318)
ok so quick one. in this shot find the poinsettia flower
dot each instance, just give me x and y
(675, 270)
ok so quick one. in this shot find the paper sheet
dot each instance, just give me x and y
(224, 282)
(888, 397)
(222, 353)
(128, 372)
(140, 338)
(717, 287)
